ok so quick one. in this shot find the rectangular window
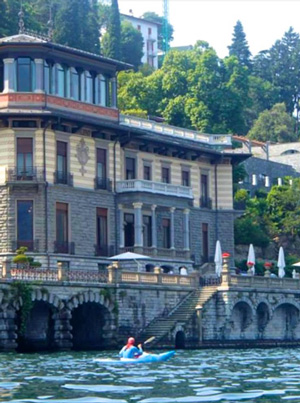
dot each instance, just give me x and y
(129, 230)
(147, 172)
(102, 238)
(60, 78)
(204, 243)
(24, 74)
(139, 27)
(47, 77)
(25, 224)
(74, 84)
(101, 168)
(166, 225)
(130, 168)
(62, 162)
(165, 175)
(204, 191)
(62, 232)
(24, 158)
(185, 178)
(147, 231)
(149, 31)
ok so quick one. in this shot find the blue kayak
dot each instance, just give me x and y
(144, 358)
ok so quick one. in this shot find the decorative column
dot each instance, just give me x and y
(186, 229)
(138, 225)
(121, 225)
(9, 76)
(39, 74)
(153, 228)
(172, 222)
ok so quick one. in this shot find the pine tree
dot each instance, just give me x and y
(239, 46)
(112, 46)
(76, 25)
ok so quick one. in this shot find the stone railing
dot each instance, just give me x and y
(264, 282)
(158, 278)
(209, 139)
(140, 185)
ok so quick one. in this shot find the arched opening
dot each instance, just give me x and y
(241, 319)
(37, 332)
(150, 268)
(90, 322)
(167, 269)
(283, 324)
(183, 271)
(180, 340)
(263, 317)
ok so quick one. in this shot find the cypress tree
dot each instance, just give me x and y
(239, 46)
(113, 43)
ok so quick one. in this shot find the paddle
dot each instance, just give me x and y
(149, 340)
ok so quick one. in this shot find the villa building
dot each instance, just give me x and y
(149, 31)
(80, 183)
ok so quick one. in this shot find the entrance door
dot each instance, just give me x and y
(129, 229)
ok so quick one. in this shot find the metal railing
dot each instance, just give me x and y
(63, 178)
(26, 174)
(103, 183)
(209, 139)
(104, 250)
(139, 185)
(32, 246)
(64, 247)
(206, 202)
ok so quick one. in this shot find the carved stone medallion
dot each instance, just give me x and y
(82, 155)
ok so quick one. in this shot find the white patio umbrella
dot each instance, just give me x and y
(251, 256)
(297, 264)
(129, 256)
(218, 258)
(281, 263)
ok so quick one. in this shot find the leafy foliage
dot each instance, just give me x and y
(274, 125)
(23, 291)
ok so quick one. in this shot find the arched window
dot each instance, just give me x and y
(87, 87)
(101, 90)
(25, 74)
(47, 77)
(59, 80)
(1, 76)
(74, 81)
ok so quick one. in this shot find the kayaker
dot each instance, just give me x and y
(130, 350)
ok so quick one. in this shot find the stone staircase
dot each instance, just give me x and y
(182, 313)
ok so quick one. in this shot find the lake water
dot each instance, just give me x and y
(190, 377)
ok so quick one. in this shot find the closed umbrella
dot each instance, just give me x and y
(251, 257)
(281, 263)
(218, 259)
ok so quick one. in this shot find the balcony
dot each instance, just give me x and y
(32, 245)
(64, 247)
(177, 132)
(28, 175)
(105, 251)
(19, 100)
(63, 178)
(206, 202)
(139, 185)
(103, 184)
(158, 252)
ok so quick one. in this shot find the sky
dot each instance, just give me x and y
(264, 21)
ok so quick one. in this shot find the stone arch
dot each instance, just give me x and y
(180, 339)
(167, 268)
(37, 332)
(241, 321)
(263, 315)
(285, 322)
(92, 319)
(150, 267)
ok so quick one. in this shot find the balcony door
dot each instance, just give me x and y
(204, 243)
(25, 224)
(166, 227)
(129, 230)
(204, 191)
(101, 168)
(24, 158)
(129, 168)
(147, 231)
(62, 162)
(102, 238)
(62, 231)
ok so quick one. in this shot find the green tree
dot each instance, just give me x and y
(111, 42)
(3, 20)
(76, 26)
(274, 125)
(131, 44)
(239, 46)
(151, 16)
